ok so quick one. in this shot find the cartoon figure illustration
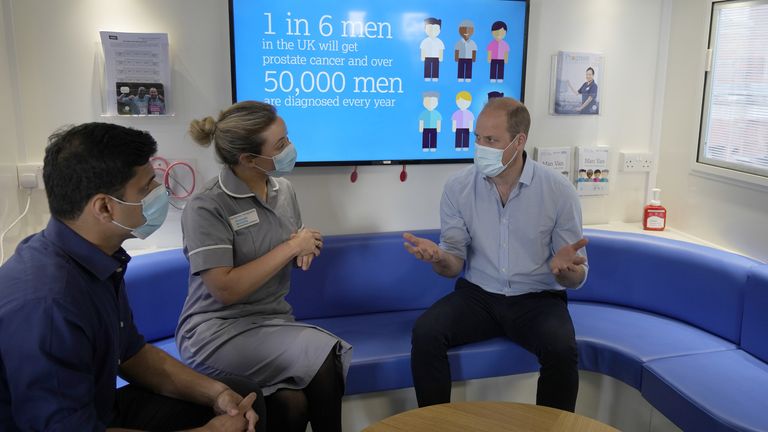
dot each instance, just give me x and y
(432, 49)
(590, 173)
(596, 175)
(462, 120)
(604, 176)
(498, 51)
(588, 92)
(495, 94)
(465, 51)
(430, 122)
(582, 176)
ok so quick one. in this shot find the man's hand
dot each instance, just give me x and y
(566, 259)
(423, 249)
(233, 409)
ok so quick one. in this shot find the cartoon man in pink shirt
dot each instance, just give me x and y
(498, 51)
(462, 120)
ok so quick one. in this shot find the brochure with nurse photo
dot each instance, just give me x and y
(592, 176)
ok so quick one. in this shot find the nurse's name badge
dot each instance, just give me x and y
(244, 219)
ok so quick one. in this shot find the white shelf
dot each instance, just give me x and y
(668, 233)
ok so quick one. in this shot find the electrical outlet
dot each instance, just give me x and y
(637, 162)
(30, 176)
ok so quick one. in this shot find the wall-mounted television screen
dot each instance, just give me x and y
(378, 82)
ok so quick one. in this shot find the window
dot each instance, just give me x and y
(734, 126)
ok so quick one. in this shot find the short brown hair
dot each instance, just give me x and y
(518, 118)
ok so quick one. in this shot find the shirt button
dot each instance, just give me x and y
(118, 362)
(121, 324)
(119, 270)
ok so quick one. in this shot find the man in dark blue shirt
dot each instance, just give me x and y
(66, 328)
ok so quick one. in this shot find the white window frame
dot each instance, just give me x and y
(713, 168)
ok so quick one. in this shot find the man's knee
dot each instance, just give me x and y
(426, 332)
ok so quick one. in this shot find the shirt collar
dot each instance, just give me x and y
(527, 175)
(234, 187)
(84, 252)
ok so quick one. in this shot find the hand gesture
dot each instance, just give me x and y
(235, 413)
(566, 259)
(308, 240)
(423, 249)
(303, 262)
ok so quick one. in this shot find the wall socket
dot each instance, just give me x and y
(637, 162)
(30, 176)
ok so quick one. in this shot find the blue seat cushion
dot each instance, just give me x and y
(754, 328)
(156, 285)
(616, 341)
(719, 391)
(695, 284)
(381, 353)
(365, 273)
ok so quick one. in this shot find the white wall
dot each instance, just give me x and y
(60, 74)
(729, 214)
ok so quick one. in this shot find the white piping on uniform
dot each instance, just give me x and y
(209, 247)
(230, 193)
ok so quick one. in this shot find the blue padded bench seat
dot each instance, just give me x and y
(381, 356)
(684, 324)
(617, 341)
(719, 391)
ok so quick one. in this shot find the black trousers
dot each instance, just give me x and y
(538, 322)
(138, 408)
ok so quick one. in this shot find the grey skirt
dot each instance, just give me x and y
(274, 354)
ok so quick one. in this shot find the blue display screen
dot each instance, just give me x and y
(378, 81)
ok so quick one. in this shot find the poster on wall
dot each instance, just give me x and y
(576, 83)
(138, 73)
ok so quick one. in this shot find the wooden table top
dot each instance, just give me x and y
(488, 417)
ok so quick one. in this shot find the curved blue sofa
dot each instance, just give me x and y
(684, 324)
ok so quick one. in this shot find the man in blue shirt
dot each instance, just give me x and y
(514, 227)
(66, 328)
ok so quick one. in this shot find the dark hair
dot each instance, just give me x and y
(431, 20)
(597, 171)
(590, 69)
(82, 161)
(582, 170)
(495, 94)
(499, 25)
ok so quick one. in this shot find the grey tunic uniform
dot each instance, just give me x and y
(226, 225)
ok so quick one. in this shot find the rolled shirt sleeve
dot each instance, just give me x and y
(454, 236)
(48, 361)
(568, 226)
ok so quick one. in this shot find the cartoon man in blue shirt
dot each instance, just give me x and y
(430, 121)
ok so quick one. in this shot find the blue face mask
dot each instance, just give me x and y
(284, 161)
(488, 160)
(154, 207)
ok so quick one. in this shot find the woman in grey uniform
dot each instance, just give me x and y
(242, 233)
